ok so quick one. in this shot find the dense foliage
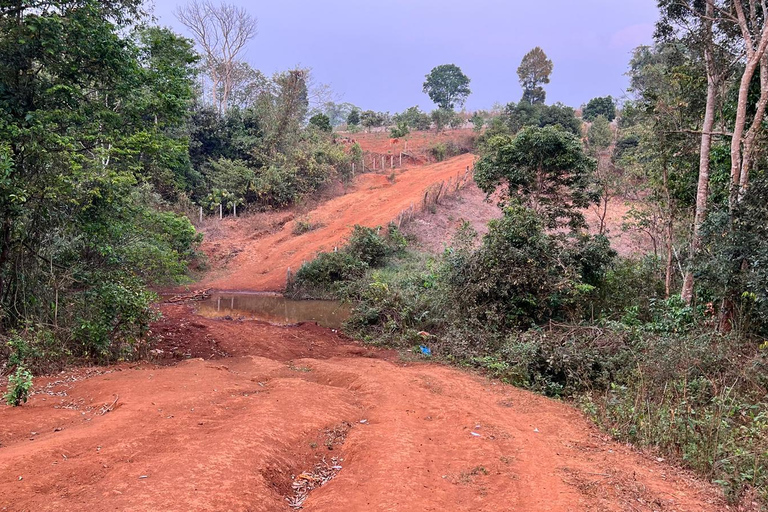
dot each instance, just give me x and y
(104, 136)
(91, 119)
(447, 86)
(603, 106)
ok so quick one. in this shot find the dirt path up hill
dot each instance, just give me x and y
(375, 200)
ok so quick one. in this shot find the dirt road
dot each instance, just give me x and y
(261, 262)
(230, 433)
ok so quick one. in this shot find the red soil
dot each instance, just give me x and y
(229, 433)
(260, 261)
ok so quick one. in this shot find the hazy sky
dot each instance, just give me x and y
(375, 53)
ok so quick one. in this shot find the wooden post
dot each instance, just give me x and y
(201, 215)
(234, 209)
(392, 161)
(382, 162)
(221, 212)
(353, 169)
(401, 159)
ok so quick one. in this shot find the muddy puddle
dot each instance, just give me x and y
(274, 309)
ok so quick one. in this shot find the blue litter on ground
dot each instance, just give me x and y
(425, 350)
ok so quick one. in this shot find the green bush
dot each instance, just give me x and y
(331, 275)
(114, 319)
(326, 275)
(366, 245)
(19, 386)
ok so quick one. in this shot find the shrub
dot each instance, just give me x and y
(305, 225)
(19, 386)
(113, 319)
(401, 130)
(366, 245)
(326, 275)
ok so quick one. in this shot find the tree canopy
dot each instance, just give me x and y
(447, 86)
(604, 106)
(534, 71)
(545, 169)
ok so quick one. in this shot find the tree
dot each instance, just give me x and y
(447, 86)
(478, 120)
(599, 107)
(676, 14)
(414, 118)
(372, 119)
(222, 33)
(353, 119)
(517, 116)
(534, 71)
(599, 135)
(321, 122)
(443, 117)
(92, 112)
(543, 168)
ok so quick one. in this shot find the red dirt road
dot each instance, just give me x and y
(229, 433)
(261, 262)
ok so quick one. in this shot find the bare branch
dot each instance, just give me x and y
(222, 32)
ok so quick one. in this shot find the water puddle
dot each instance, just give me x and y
(273, 308)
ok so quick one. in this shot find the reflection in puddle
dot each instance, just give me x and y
(274, 309)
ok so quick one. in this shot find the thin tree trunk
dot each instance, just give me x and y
(669, 231)
(702, 189)
(755, 50)
(6, 241)
(754, 129)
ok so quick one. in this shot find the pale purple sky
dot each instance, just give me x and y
(375, 53)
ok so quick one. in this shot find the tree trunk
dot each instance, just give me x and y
(754, 129)
(702, 189)
(5, 240)
(755, 50)
(669, 231)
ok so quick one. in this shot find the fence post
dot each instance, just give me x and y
(234, 209)
(401, 159)
(382, 162)
(392, 161)
(221, 214)
(201, 215)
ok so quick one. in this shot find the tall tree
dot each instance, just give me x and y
(546, 169)
(534, 71)
(87, 120)
(447, 86)
(688, 16)
(221, 32)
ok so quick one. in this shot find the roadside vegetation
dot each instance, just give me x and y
(543, 303)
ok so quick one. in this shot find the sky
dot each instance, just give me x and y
(375, 54)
